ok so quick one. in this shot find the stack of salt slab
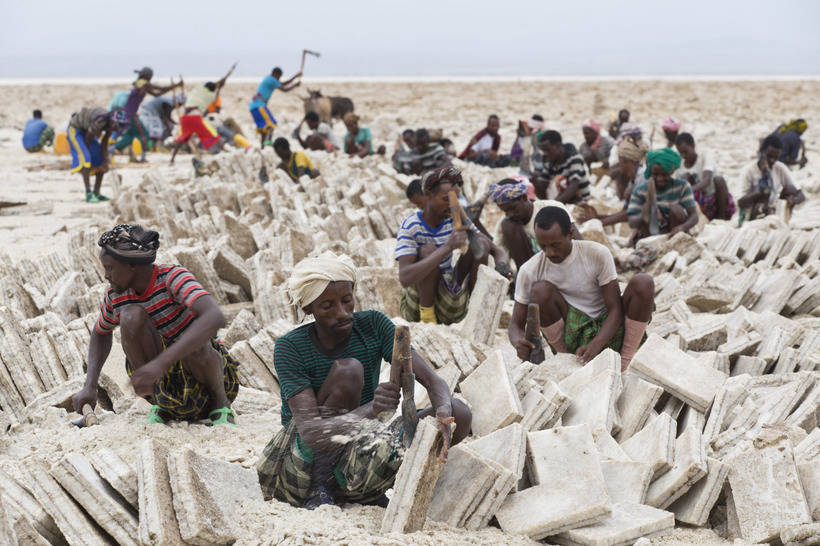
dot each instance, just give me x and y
(178, 497)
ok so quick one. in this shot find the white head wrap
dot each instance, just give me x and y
(311, 277)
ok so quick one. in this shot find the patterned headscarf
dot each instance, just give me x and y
(629, 131)
(667, 158)
(504, 193)
(634, 149)
(130, 244)
(443, 174)
(670, 124)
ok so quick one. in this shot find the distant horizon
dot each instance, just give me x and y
(424, 38)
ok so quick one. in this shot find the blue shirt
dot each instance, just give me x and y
(31, 133)
(264, 91)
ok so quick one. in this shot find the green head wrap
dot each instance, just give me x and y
(667, 158)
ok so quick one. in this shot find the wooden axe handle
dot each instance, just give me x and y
(89, 417)
(402, 358)
(455, 212)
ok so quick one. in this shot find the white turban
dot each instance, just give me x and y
(312, 276)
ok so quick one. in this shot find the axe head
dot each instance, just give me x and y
(314, 53)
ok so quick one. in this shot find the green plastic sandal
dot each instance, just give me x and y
(153, 417)
(223, 417)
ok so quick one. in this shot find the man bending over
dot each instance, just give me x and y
(576, 287)
(168, 326)
(332, 448)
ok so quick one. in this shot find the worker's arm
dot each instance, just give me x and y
(614, 318)
(703, 183)
(98, 351)
(290, 84)
(298, 133)
(516, 239)
(412, 269)
(156, 90)
(691, 221)
(570, 193)
(791, 194)
(104, 147)
(208, 319)
(515, 332)
(317, 433)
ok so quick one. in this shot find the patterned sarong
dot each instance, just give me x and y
(366, 469)
(184, 398)
(450, 305)
(580, 329)
(708, 205)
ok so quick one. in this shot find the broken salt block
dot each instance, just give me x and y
(119, 474)
(77, 529)
(750, 365)
(704, 335)
(243, 326)
(250, 400)
(766, 490)
(677, 372)
(111, 512)
(694, 506)
(626, 481)
(465, 481)
(654, 444)
(809, 448)
(810, 479)
(594, 404)
(7, 534)
(543, 408)
(231, 267)
(492, 395)
(609, 449)
(688, 468)
(637, 398)
(626, 523)
(507, 446)
(206, 493)
(571, 490)
(486, 302)
(801, 535)
(157, 520)
(22, 505)
(415, 481)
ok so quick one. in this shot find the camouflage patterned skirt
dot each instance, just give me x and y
(182, 397)
(367, 467)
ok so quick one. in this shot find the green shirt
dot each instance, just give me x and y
(677, 192)
(301, 363)
(361, 137)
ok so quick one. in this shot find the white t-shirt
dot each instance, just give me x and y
(324, 129)
(702, 163)
(579, 277)
(483, 144)
(781, 175)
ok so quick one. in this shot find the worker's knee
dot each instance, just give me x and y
(133, 319)
(642, 285)
(677, 215)
(348, 375)
(543, 292)
(720, 185)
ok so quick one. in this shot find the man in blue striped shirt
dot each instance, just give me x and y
(436, 290)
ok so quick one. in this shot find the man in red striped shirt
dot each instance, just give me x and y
(168, 325)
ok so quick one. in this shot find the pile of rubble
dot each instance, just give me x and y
(715, 423)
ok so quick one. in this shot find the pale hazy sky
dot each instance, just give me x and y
(104, 38)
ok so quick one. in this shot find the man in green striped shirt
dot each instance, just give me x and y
(332, 447)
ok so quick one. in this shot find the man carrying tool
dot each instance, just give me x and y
(88, 133)
(265, 122)
(672, 198)
(435, 290)
(192, 121)
(576, 288)
(168, 326)
(331, 447)
(142, 86)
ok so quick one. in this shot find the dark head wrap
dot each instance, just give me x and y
(444, 174)
(130, 244)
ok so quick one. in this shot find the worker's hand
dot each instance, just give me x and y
(587, 352)
(763, 165)
(298, 83)
(445, 419)
(587, 213)
(523, 348)
(674, 230)
(145, 377)
(85, 396)
(386, 397)
(457, 239)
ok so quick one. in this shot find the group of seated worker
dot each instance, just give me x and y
(415, 154)
(328, 449)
